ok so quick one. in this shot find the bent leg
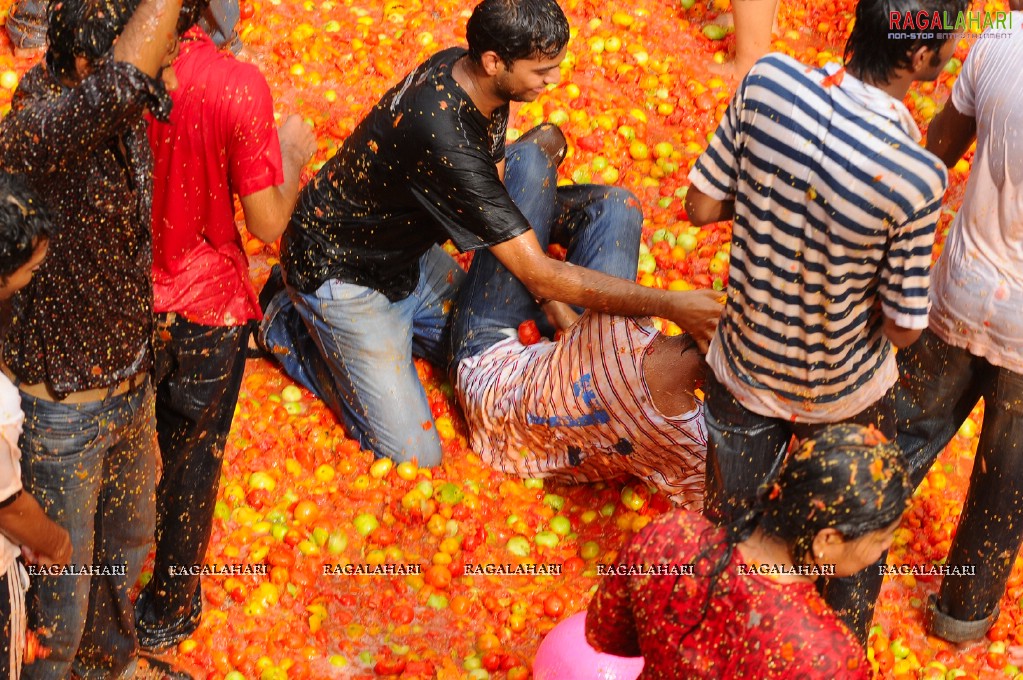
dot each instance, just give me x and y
(429, 307)
(284, 335)
(493, 302)
(365, 341)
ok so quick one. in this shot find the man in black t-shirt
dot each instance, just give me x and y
(368, 286)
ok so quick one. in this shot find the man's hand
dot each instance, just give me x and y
(267, 211)
(697, 312)
(560, 315)
(56, 554)
(298, 142)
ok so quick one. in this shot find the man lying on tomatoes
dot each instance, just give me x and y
(610, 396)
(368, 286)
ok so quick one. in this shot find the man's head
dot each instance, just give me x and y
(878, 54)
(82, 32)
(519, 43)
(25, 230)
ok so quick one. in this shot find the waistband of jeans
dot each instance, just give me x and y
(44, 391)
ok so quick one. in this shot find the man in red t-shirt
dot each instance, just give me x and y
(220, 141)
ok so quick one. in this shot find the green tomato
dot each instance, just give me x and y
(518, 546)
(555, 501)
(547, 539)
(560, 525)
(715, 31)
(366, 524)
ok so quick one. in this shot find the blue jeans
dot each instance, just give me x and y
(92, 467)
(940, 386)
(198, 376)
(746, 449)
(600, 226)
(353, 348)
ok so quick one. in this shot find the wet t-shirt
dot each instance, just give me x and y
(418, 170)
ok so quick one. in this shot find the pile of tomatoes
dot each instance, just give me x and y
(638, 103)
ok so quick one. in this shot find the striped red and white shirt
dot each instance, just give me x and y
(579, 409)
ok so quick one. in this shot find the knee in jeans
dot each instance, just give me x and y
(538, 153)
(623, 205)
(550, 139)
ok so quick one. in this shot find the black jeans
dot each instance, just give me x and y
(745, 449)
(198, 376)
(940, 386)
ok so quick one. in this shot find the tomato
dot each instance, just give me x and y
(402, 614)
(389, 666)
(529, 334)
(246, 11)
(553, 605)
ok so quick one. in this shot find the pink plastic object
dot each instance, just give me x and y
(565, 655)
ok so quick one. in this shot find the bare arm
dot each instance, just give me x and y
(547, 278)
(150, 36)
(267, 211)
(950, 134)
(703, 209)
(899, 336)
(25, 523)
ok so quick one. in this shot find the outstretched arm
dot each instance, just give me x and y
(550, 279)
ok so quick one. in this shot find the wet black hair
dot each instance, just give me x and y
(875, 49)
(24, 223)
(88, 28)
(847, 478)
(83, 28)
(516, 29)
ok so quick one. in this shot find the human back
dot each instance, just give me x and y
(829, 175)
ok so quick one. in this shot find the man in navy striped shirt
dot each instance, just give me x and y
(834, 207)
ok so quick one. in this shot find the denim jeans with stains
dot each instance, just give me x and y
(92, 467)
(198, 376)
(600, 227)
(940, 386)
(746, 449)
(353, 348)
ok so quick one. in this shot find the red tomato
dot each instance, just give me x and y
(553, 605)
(529, 334)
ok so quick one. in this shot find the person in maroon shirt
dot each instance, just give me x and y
(699, 601)
(79, 344)
(220, 140)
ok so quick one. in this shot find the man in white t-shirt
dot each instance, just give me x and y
(973, 346)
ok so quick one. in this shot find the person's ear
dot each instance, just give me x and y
(82, 67)
(824, 543)
(921, 58)
(492, 64)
